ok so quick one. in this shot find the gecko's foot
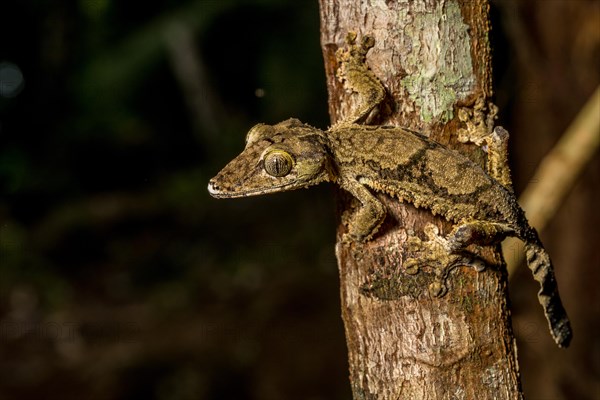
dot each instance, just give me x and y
(440, 255)
(480, 129)
(348, 238)
(479, 121)
(432, 252)
(354, 52)
(434, 244)
(358, 78)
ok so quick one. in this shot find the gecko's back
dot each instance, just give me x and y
(419, 171)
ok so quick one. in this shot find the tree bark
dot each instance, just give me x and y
(404, 342)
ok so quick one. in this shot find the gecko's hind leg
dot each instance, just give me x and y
(482, 233)
(436, 254)
(443, 254)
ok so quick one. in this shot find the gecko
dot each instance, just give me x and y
(405, 164)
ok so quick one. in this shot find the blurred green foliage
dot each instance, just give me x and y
(121, 277)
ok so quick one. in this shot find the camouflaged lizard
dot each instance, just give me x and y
(402, 163)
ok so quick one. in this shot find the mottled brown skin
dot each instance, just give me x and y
(419, 171)
(404, 164)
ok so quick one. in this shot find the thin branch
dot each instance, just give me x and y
(189, 70)
(557, 174)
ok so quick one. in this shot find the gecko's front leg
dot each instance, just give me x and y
(365, 220)
(358, 78)
(481, 131)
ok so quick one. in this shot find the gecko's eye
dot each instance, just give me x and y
(278, 163)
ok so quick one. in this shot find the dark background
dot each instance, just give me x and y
(121, 278)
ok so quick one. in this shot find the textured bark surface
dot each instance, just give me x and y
(405, 343)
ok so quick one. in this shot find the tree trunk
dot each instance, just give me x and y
(404, 340)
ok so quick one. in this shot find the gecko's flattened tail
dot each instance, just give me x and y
(540, 265)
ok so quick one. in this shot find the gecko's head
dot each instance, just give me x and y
(280, 157)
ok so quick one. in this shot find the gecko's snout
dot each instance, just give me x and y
(213, 188)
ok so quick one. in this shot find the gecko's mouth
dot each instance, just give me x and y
(223, 193)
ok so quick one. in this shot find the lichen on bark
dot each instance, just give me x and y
(439, 67)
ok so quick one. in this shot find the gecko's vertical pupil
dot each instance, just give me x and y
(278, 163)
